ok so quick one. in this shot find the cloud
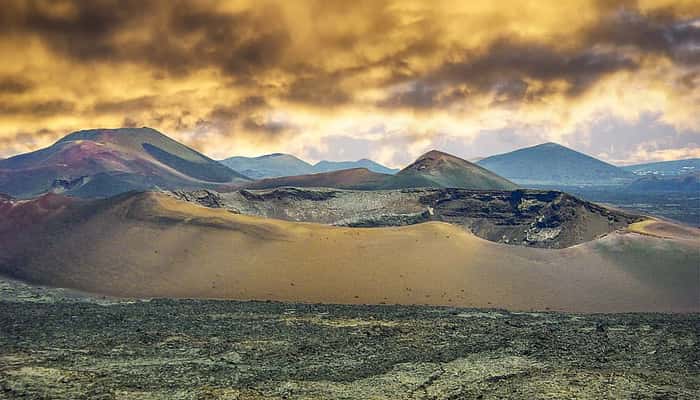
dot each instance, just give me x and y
(249, 77)
(14, 85)
(36, 109)
(124, 106)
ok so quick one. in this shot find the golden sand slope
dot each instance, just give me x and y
(153, 245)
(662, 229)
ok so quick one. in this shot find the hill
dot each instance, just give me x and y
(675, 167)
(357, 178)
(269, 166)
(152, 245)
(278, 165)
(688, 183)
(438, 169)
(553, 164)
(327, 166)
(103, 162)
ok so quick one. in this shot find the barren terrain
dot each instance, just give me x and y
(152, 245)
(534, 218)
(61, 345)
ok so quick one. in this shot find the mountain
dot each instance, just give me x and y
(433, 169)
(675, 167)
(554, 164)
(152, 245)
(438, 169)
(269, 166)
(327, 166)
(356, 178)
(279, 164)
(688, 183)
(103, 162)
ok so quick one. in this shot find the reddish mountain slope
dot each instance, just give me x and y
(103, 162)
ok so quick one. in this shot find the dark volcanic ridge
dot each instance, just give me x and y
(535, 218)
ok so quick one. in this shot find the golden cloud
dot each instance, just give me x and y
(249, 77)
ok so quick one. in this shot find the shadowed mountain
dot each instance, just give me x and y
(438, 169)
(269, 166)
(152, 245)
(279, 165)
(688, 183)
(327, 166)
(103, 162)
(553, 164)
(675, 167)
(357, 178)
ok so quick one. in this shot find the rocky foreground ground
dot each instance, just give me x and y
(60, 345)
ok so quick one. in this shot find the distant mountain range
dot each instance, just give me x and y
(432, 169)
(554, 164)
(689, 183)
(279, 164)
(675, 167)
(103, 162)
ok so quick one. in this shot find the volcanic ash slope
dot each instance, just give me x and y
(152, 245)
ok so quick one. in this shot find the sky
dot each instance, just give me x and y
(338, 80)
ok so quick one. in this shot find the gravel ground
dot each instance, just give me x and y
(57, 344)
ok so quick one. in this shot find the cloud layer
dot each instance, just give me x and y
(336, 79)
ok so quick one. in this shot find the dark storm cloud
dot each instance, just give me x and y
(14, 85)
(509, 60)
(80, 29)
(223, 116)
(266, 127)
(252, 102)
(125, 106)
(502, 69)
(240, 43)
(320, 90)
(618, 42)
(40, 109)
(180, 36)
(658, 33)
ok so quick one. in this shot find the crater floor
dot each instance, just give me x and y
(533, 218)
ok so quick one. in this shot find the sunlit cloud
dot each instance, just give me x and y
(332, 79)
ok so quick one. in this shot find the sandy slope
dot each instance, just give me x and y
(154, 245)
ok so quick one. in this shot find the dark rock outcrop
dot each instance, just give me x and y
(65, 184)
(206, 198)
(533, 218)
